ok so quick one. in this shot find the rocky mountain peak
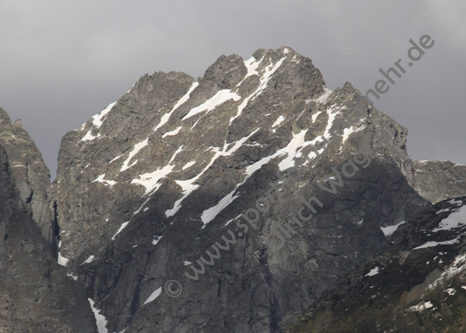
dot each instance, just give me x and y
(255, 187)
(161, 174)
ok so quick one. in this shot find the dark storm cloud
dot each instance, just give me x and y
(62, 62)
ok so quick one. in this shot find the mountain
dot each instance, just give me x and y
(230, 203)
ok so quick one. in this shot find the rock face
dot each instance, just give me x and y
(438, 180)
(418, 282)
(178, 167)
(29, 174)
(35, 293)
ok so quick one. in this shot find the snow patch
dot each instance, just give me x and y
(174, 132)
(136, 149)
(182, 100)
(278, 121)
(153, 296)
(421, 307)
(209, 214)
(106, 182)
(388, 231)
(61, 260)
(374, 271)
(450, 291)
(348, 131)
(433, 243)
(74, 277)
(156, 240)
(454, 220)
(315, 115)
(119, 230)
(100, 319)
(219, 98)
(458, 265)
(89, 260)
(97, 120)
(88, 136)
(150, 180)
(323, 98)
(188, 165)
(269, 70)
(188, 186)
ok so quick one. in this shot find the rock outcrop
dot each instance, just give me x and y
(417, 284)
(36, 295)
(439, 180)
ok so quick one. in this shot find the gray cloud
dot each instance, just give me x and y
(63, 62)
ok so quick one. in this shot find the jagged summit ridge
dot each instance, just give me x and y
(229, 86)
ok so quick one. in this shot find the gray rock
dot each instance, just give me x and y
(36, 295)
(145, 189)
(439, 180)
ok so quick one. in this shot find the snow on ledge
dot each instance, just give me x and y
(388, 231)
(433, 244)
(374, 271)
(219, 98)
(100, 319)
(153, 296)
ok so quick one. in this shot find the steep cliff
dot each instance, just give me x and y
(36, 295)
(418, 283)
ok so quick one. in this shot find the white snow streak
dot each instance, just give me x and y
(374, 271)
(209, 214)
(61, 260)
(454, 220)
(100, 320)
(89, 260)
(188, 185)
(188, 165)
(458, 265)
(421, 307)
(323, 98)
(156, 240)
(153, 296)
(269, 70)
(174, 132)
(433, 244)
(150, 180)
(388, 231)
(278, 121)
(348, 131)
(119, 230)
(182, 100)
(315, 115)
(219, 98)
(106, 182)
(88, 136)
(97, 119)
(135, 150)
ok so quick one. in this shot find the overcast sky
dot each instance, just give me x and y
(64, 61)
